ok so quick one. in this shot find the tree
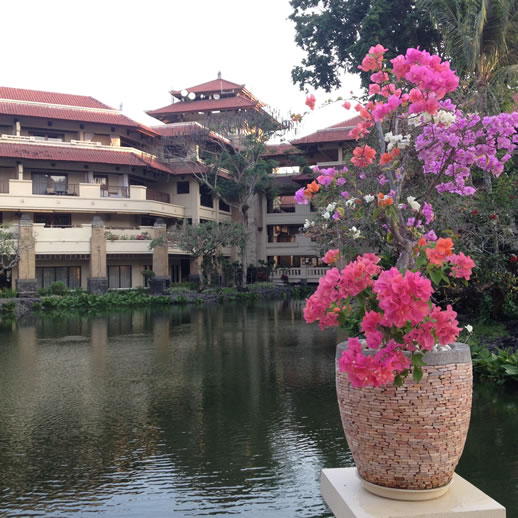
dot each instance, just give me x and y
(226, 155)
(336, 35)
(10, 248)
(481, 40)
(203, 241)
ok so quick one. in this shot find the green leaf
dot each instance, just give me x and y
(435, 275)
(417, 360)
(398, 380)
(417, 373)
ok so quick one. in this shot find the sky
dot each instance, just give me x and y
(134, 52)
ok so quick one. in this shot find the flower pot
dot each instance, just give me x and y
(410, 437)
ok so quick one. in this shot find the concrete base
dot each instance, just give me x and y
(97, 285)
(27, 288)
(159, 284)
(343, 493)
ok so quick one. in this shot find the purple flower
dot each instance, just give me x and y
(300, 198)
(430, 236)
(340, 181)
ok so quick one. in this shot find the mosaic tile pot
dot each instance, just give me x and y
(411, 437)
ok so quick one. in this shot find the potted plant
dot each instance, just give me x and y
(403, 383)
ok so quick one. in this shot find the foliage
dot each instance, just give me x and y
(8, 310)
(499, 366)
(144, 236)
(426, 146)
(481, 41)
(203, 242)
(7, 293)
(11, 247)
(336, 34)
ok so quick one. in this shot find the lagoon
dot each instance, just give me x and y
(192, 411)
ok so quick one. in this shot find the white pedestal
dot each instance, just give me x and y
(343, 493)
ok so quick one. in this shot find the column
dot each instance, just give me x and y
(26, 284)
(98, 280)
(161, 279)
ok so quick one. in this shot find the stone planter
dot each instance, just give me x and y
(411, 437)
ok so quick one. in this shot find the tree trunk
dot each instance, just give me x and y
(244, 249)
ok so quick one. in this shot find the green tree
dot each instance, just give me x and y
(226, 154)
(203, 242)
(336, 35)
(481, 41)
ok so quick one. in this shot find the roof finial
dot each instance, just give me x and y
(219, 74)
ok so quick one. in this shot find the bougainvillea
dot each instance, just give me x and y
(423, 140)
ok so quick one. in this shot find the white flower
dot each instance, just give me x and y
(331, 207)
(413, 204)
(401, 141)
(368, 198)
(307, 224)
(468, 328)
(350, 202)
(355, 232)
(326, 215)
(312, 223)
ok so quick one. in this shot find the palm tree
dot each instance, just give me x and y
(480, 38)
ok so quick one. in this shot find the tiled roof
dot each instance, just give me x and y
(225, 103)
(217, 85)
(38, 96)
(79, 154)
(281, 149)
(335, 133)
(187, 129)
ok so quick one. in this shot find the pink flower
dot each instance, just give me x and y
(446, 329)
(347, 105)
(461, 266)
(403, 299)
(369, 327)
(310, 101)
(331, 256)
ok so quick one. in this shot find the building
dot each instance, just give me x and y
(89, 188)
(78, 176)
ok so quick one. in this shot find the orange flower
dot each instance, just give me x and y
(363, 156)
(384, 202)
(313, 187)
(386, 158)
(422, 242)
(442, 250)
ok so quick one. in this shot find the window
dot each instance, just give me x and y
(182, 188)
(101, 179)
(47, 275)
(53, 220)
(224, 206)
(43, 183)
(206, 197)
(119, 277)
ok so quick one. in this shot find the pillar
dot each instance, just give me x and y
(161, 279)
(26, 285)
(98, 281)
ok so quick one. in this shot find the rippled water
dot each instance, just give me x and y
(191, 412)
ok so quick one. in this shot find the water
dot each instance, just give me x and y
(222, 410)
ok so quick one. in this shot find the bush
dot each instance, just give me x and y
(7, 293)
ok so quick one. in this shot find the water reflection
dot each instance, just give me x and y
(189, 411)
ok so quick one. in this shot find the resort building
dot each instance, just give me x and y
(77, 176)
(88, 188)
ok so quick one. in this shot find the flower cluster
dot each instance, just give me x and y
(398, 319)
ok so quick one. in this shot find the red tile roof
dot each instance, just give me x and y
(217, 85)
(80, 154)
(188, 129)
(38, 96)
(281, 149)
(336, 133)
(226, 103)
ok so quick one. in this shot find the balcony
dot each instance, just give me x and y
(162, 197)
(310, 274)
(84, 198)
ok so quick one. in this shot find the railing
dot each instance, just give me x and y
(162, 197)
(4, 187)
(70, 189)
(309, 274)
(108, 191)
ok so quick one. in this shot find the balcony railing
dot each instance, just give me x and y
(4, 187)
(69, 189)
(108, 191)
(162, 197)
